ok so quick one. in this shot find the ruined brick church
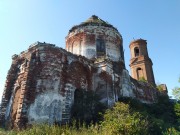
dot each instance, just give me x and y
(42, 80)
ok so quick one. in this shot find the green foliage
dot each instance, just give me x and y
(121, 120)
(2, 132)
(160, 116)
(159, 87)
(56, 130)
(171, 131)
(177, 111)
(87, 107)
(176, 92)
(142, 79)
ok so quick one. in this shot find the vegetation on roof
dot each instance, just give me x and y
(93, 21)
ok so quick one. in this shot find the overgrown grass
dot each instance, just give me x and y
(66, 130)
(57, 130)
(2, 132)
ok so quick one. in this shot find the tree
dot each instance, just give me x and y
(122, 120)
(176, 92)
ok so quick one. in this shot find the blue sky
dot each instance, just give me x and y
(24, 22)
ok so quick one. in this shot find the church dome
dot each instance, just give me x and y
(95, 38)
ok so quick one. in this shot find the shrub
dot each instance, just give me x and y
(122, 120)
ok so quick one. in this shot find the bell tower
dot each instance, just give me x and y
(140, 63)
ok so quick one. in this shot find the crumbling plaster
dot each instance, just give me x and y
(82, 41)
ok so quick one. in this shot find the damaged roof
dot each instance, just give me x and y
(94, 21)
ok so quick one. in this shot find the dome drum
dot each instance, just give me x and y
(93, 41)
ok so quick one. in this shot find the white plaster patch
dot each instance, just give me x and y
(126, 85)
(41, 48)
(113, 52)
(42, 56)
(47, 108)
(69, 92)
(89, 51)
(70, 60)
(8, 108)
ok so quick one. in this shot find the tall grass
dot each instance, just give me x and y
(57, 130)
(67, 130)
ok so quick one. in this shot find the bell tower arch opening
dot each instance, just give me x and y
(136, 51)
(139, 72)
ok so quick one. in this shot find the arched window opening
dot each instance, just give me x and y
(136, 51)
(78, 94)
(100, 47)
(139, 73)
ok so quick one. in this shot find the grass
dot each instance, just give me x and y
(66, 130)
(55, 130)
